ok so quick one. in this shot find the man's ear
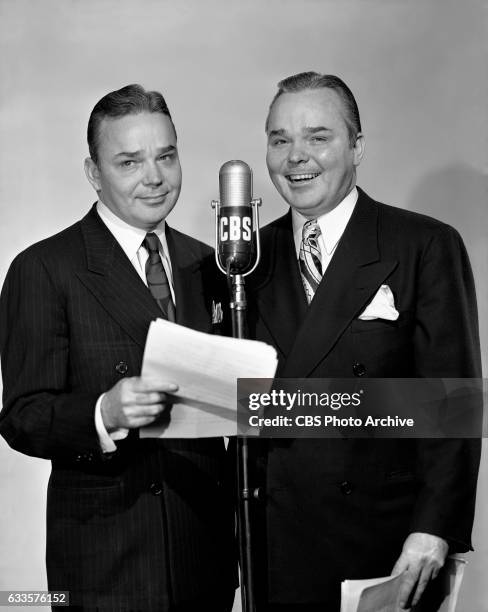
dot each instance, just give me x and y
(92, 173)
(358, 149)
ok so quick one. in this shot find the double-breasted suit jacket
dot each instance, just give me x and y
(149, 524)
(341, 508)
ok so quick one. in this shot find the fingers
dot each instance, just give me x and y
(138, 415)
(436, 570)
(422, 557)
(151, 397)
(138, 392)
(151, 411)
(140, 420)
(410, 575)
(134, 402)
(425, 576)
(144, 385)
(414, 584)
(407, 587)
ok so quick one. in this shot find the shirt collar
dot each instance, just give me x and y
(332, 224)
(129, 237)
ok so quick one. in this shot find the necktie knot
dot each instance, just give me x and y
(310, 231)
(151, 242)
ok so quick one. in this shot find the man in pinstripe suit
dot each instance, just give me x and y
(131, 524)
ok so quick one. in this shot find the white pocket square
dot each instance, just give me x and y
(382, 306)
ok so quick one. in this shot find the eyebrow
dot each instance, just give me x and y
(135, 154)
(308, 130)
(320, 128)
(276, 133)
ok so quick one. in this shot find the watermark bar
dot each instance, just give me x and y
(34, 598)
(366, 408)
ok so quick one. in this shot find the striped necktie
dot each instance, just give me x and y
(309, 259)
(157, 281)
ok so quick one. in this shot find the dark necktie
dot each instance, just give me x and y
(157, 281)
(309, 259)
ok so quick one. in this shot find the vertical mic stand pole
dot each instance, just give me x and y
(238, 311)
(238, 307)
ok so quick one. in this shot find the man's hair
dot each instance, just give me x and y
(129, 100)
(313, 80)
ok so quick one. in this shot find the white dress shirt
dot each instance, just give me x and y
(332, 226)
(130, 239)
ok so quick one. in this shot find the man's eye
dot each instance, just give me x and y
(319, 139)
(127, 163)
(166, 157)
(278, 142)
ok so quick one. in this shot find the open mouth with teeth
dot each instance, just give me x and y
(297, 179)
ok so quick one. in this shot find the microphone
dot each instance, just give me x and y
(237, 252)
(237, 234)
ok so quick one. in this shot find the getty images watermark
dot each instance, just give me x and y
(373, 407)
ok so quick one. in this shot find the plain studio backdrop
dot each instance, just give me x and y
(418, 70)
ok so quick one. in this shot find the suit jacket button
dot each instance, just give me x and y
(359, 369)
(346, 487)
(122, 367)
(156, 488)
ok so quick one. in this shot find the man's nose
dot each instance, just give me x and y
(298, 153)
(153, 174)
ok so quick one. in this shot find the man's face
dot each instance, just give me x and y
(138, 174)
(310, 158)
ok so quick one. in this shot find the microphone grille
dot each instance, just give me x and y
(235, 181)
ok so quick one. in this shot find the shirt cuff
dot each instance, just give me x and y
(106, 440)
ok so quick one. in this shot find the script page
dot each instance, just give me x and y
(205, 368)
(370, 595)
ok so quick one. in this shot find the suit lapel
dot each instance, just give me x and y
(112, 279)
(352, 278)
(188, 282)
(281, 299)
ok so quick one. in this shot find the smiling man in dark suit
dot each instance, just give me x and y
(132, 524)
(340, 509)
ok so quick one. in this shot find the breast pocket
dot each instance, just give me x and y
(405, 319)
(359, 326)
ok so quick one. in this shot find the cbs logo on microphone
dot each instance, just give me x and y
(235, 228)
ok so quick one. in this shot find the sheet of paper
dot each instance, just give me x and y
(370, 595)
(206, 369)
(381, 594)
(381, 597)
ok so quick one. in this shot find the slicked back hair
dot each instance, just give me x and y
(313, 80)
(129, 100)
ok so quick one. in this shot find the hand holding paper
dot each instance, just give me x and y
(384, 594)
(422, 557)
(133, 402)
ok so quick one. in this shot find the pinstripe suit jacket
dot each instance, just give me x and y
(149, 524)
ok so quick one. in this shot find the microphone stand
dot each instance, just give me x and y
(238, 310)
(238, 306)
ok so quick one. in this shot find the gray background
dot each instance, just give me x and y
(418, 70)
